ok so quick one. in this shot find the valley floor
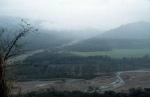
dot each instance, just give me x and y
(122, 81)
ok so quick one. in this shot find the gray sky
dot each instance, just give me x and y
(79, 14)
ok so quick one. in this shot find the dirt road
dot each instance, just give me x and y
(30, 53)
(23, 56)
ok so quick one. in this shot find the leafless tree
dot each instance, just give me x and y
(9, 46)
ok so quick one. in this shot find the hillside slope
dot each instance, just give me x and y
(129, 36)
(137, 30)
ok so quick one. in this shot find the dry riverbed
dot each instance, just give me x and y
(131, 80)
(134, 80)
(64, 84)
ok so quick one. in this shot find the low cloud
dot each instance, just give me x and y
(79, 14)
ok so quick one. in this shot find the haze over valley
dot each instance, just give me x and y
(76, 47)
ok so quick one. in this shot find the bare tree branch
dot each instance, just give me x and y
(8, 48)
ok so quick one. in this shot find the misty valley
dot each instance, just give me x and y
(69, 64)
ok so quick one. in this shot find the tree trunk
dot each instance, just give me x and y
(4, 90)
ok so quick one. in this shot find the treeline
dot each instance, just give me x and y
(128, 43)
(89, 45)
(105, 44)
(61, 58)
(52, 93)
(65, 65)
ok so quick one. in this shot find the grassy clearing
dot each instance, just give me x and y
(117, 53)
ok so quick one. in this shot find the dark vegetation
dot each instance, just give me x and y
(104, 44)
(52, 93)
(90, 45)
(128, 43)
(47, 65)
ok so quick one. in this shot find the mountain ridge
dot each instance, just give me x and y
(136, 30)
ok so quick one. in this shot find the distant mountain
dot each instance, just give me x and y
(138, 30)
(38, 40)
(45, 38)
(129, 36)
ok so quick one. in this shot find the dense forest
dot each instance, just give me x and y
(106, 44)
(89, 45)
(47, 65)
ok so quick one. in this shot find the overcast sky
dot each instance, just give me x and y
(79, 14)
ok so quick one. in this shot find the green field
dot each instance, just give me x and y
(117, 53)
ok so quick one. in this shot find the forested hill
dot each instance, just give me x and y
(89, 45)
(129, 36)
(137, 30)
